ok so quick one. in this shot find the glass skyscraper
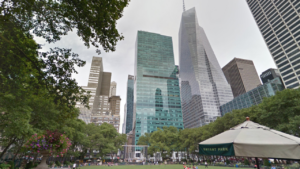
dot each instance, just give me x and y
(279, 24)
(156, 89)
(129, 104)
(204, 87)
(254, 96)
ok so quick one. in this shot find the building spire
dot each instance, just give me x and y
(183, 6)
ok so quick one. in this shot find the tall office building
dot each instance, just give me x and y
(203, 84)
(113, 89)
(124, 119)
(279, 24)
(94, 87)
(156, 85)
(129, 104)
(101, 109)
(241, 75)
(269, 74)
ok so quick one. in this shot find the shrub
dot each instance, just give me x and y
(29, 165)
(4, 166)
(246, 162)
(12, 165)
(295, 165)
(68, 163)
(58, 163)
(266, 162)
(35, 165)
(51, 163)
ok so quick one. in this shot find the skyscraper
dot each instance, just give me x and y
(241, 75)
(113, 89)
(156, 86)
(101, 109)
(129, 104)
(124, 119)
(203, 84)
(269, 74)
(279, 24)
(94, 87)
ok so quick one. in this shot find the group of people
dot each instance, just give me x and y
(194, 167)
(189, 167)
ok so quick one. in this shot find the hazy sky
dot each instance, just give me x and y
(229, 26)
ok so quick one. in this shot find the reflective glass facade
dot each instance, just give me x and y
(203, 84)
(156, 90)
(254, 96)
(129, 104)
(279, 24)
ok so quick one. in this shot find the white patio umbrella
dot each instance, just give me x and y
(250, 139)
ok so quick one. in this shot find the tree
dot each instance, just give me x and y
(144, 139)
(75, 129)
(94, 21)
(164, 141)
(104, 138)
(280, 112)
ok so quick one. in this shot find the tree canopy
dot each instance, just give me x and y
(280, 112)
(94, 21)
(37, 91)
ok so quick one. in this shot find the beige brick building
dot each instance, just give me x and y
(103, 106)
(241, 75)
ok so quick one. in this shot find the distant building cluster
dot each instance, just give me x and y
(197, 91)
(104, 104)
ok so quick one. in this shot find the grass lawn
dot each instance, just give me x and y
(148, 167)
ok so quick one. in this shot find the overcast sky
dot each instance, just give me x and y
(229, 26)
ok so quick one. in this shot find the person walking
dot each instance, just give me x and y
(74, 165)
(206, 164)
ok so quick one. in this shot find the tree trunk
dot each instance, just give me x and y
(6, 148)
(17, 152)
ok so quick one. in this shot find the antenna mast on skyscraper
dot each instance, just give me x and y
(183, 6)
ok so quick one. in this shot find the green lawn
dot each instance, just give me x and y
(148, 167)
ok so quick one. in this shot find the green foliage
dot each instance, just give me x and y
(35, 165)
(94, 21)
(295, 165)
(267, 163)
(104, 139)
(51, 163)
(29, 165)
(163, 140)
(144, 139)
(57, 163)
(246, 162)
(280, 112)
(5, 166)
(68, 163)
(37, 92)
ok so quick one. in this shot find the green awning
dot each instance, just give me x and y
(217, 149)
